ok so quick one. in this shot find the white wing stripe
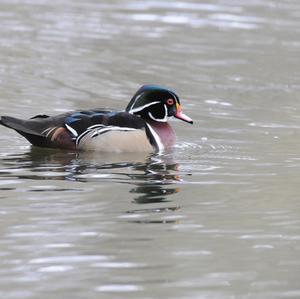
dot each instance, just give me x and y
(73, 131)
(110, 128)
(100, 129)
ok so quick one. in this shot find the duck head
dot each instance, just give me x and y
(157, 104)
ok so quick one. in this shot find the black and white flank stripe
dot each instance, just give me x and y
(96, 131)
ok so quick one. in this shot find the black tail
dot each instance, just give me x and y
(17, 124)
(25, 128)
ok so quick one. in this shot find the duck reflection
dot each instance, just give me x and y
(154, 177)
(152, 193)
(157, 181)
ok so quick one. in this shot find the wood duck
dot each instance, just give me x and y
(142, 126)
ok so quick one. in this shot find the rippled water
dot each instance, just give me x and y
(218, 217)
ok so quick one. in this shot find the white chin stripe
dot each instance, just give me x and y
(156, 138)
(160, 119)
(157, 119)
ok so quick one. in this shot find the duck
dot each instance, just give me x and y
(142, 127)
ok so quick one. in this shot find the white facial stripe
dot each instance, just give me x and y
(136, 100)
(156, 138)
(166, 112)
(143, 107)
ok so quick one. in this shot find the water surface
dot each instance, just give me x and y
(217, 217)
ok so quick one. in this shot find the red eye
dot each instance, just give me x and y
(170, 102)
